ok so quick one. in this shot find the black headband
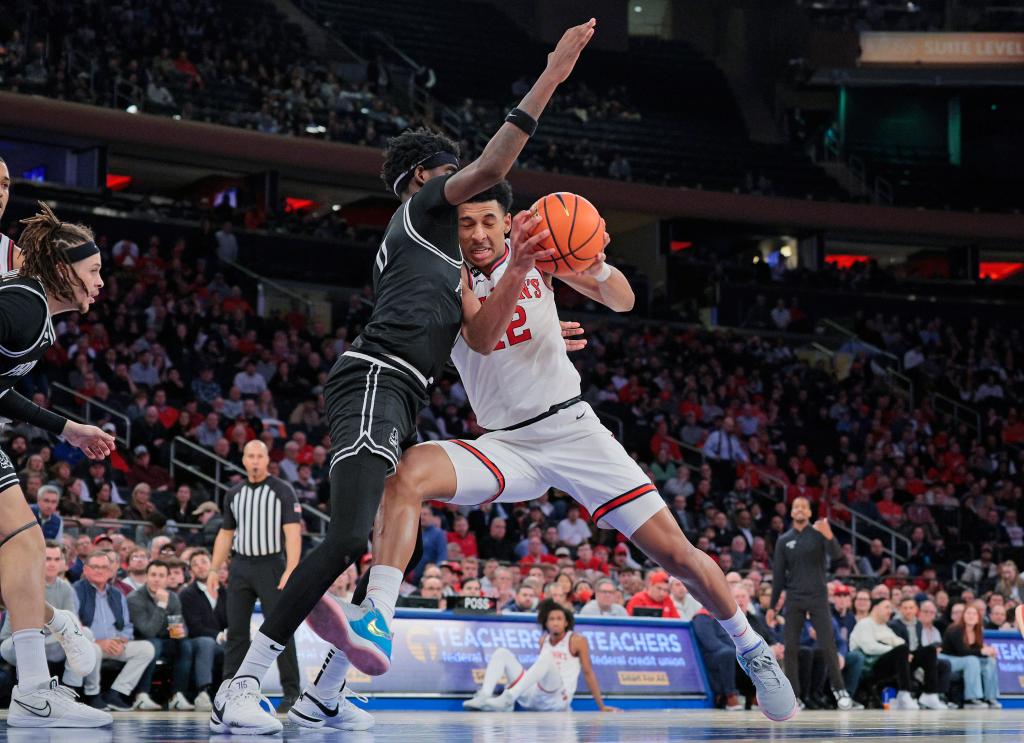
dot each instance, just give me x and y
(431, 161)
(81, 252)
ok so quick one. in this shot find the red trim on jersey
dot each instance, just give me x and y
(502, 259)
(488, 464)
(621, 500)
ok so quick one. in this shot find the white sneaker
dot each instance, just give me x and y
(144, 703)
(79, 649)
(310, 711)
(931, 701)
(475, 702)
(241, 709)
(905, 701)
(202, 702)
(975, 704)
(501, 703)
(51, 705)
(775, 695)
(178, 702)
(992, 703)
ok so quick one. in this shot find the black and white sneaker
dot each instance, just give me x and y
(51, 705)
(845, 702)
(309, 711)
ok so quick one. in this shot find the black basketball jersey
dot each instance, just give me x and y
(26, 330)
(417, 279)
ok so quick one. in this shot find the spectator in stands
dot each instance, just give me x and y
(964, 639)
(1010, 584)
(45, 510)
(462, 536)
(587, 560)
(227, 244)
(723, 451)
(205, 612)
(249, 382)
(572, 529)
(181, 509)
(497, 543)
(605, 602)
(208, 514)
(138, 562)
(435, 543)
(719, 653)
(140, 506)
(156, 615)
(104, 610)
(886, 654)
(981, 572)
(654, 596)
(525, 600)
(144, 471)
(925, 657)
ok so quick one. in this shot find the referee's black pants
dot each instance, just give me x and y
(795, 612)
(254, 578)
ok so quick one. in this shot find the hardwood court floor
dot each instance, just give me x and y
(422, 726)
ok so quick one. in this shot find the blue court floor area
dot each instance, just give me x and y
(526, 727)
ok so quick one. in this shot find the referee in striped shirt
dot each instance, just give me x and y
(263, 533)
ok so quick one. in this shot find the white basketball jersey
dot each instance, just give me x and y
(7, 252)
(529, 370)
(568, 665)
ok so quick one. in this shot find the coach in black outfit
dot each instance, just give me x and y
(801, 559)
(262, 532)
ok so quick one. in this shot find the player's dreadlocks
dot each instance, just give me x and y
(405, 152)
(44, 243)
(500, 192)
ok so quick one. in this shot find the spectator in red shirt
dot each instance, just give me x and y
(655, 596)
(535, 555)
(890, 511)
(586, 560)
(662, 439)
(463, 536)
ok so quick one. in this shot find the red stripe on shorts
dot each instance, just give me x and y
(621, 500)
(488, 464)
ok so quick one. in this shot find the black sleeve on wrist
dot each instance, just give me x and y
(519, 118)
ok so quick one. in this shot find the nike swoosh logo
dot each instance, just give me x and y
(43, 711)
(581, 415)
(218, 712)
(377, 631)
(322, 707)
(276, 649)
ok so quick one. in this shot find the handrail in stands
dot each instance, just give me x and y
(89, 404)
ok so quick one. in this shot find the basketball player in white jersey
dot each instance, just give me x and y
(549, 684)
(526, 392)
(10, 254)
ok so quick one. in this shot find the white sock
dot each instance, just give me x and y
(382, 592)
(57, 624)
(331, 679)
(30, 654)
(740, 631)
(262, 652)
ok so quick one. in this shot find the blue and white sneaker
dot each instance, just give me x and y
(312, 712)
(241, 709)
(775, 697)
(360, 632)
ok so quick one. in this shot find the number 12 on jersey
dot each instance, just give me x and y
(512, 332)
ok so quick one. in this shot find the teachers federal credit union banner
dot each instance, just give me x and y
(443, 653)
(1010, 660)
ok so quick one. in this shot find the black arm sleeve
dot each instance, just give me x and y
(18, 408)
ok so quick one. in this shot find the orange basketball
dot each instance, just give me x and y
(576, 233)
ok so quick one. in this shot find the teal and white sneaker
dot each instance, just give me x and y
(312, 712)
(775, 697)
(360, 632)
(241, 709)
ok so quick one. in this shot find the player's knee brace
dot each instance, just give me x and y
(8, 537)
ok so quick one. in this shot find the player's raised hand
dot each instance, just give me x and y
(96, 443)
(563, 58)
(526, 249)
(570, 329)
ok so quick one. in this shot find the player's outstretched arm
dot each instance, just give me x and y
(501, 152)
(603, 283)
(483, 323)
(581, 649)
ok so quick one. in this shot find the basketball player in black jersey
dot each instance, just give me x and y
(60, 273)
(376, 389)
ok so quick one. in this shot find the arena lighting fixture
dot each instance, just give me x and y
(132, 109)
(336, 207)
(786, 251)
(757, 259)
(316, 129)
(638, 8)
